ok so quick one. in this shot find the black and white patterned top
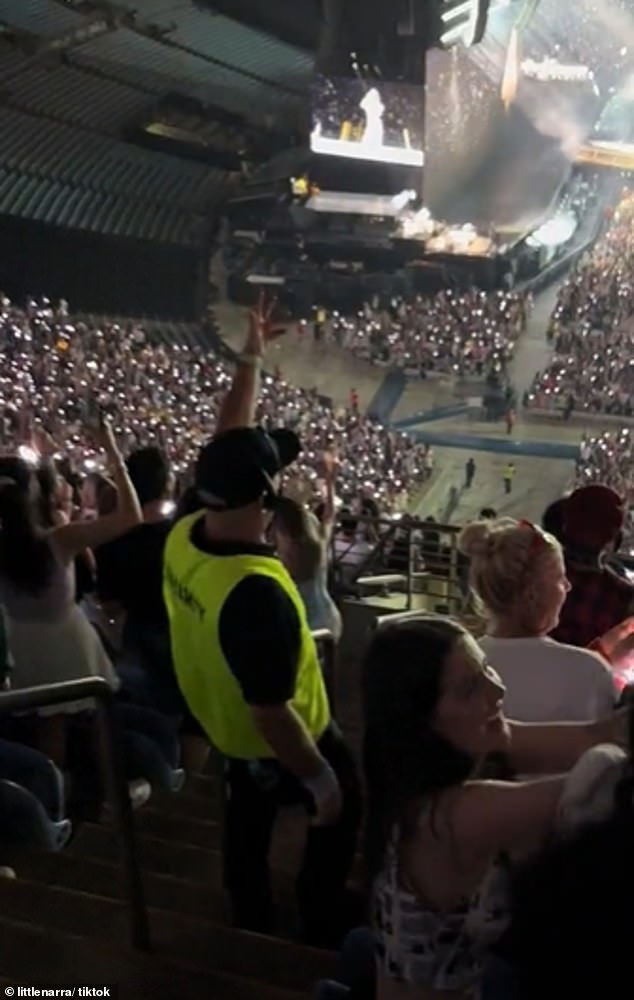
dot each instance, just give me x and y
(440, 950)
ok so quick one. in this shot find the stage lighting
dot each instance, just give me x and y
(461, 22)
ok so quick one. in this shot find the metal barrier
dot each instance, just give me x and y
(429, 562)
(327, 649)
(28, 699)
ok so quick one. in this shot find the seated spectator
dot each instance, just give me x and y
(438, 834)
(518, 576)
(599, 599)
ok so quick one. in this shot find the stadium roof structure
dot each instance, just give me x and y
(164, 45)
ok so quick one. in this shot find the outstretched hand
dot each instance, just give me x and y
(262, 328)
(104, 438)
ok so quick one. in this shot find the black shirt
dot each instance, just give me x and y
(259, 628)
(130, 571)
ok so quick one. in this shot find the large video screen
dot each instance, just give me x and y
(506, 118)
(368, 120)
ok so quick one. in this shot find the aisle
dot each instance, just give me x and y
(533, 351)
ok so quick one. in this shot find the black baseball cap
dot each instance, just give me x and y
(236, 468)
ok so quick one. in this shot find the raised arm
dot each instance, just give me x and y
(331, 467)
(71, 539)
(239, 405)
(485, 817)
(555, 748)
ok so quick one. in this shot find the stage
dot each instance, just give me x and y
(511, 190)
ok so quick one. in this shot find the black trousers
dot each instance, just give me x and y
(255, 791)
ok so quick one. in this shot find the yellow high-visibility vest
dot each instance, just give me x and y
(195, 587)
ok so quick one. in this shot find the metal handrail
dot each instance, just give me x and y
(27, 699)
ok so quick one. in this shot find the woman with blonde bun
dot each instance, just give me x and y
(518, 577)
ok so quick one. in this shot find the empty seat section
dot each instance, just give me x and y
(235, 44)
(44, 18)
(203, 78)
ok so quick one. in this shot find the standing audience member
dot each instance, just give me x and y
(248, 668)
(50, 637)
(518, 576)
(130, 576)
(130, 580)
(303, 544)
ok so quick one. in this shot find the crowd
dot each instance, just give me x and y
(59, 369)
(472, 880)
(608, 458)
(466, 334)
(591, 34)
(591, 329)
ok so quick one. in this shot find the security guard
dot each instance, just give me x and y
(508, 474)
(248, 668)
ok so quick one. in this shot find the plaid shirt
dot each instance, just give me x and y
(598, 600)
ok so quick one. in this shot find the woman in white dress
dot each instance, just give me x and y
(51, 639)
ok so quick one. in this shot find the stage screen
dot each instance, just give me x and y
(379, 121)
(506, 119)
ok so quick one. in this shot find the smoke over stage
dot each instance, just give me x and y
(513, 185)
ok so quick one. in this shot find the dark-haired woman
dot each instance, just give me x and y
(50, 637)
(55, 508)
(437, 831)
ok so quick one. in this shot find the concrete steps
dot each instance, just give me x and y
(65, 919)
(33, 952)
(201, 944)
(193, 897)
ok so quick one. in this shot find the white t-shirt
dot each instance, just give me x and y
(548, 681)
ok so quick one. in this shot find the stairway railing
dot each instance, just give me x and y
(28, 699)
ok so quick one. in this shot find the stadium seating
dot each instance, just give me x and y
(65, 93)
